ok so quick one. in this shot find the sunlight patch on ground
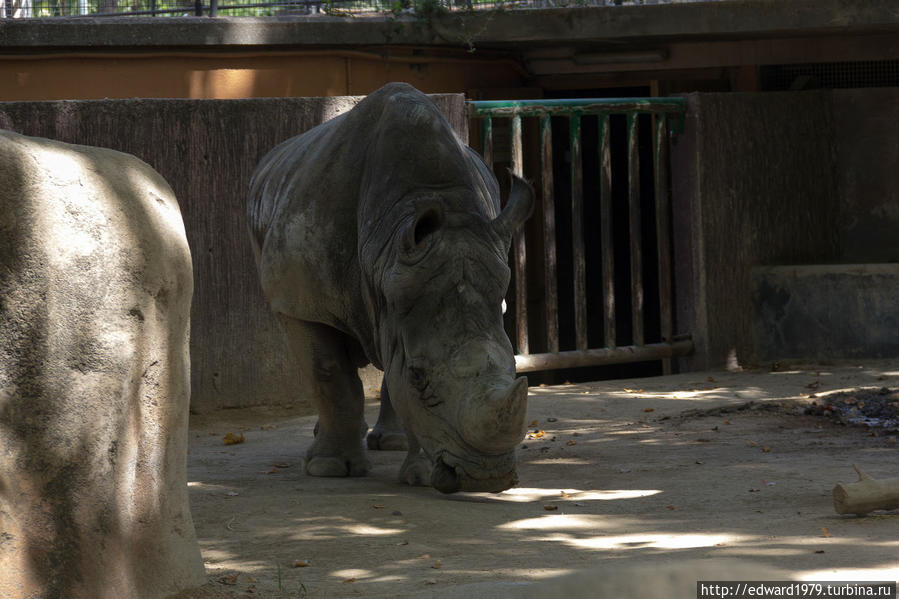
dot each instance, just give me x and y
(530, 494)
(645, 541)
(352, 573)
(560, 461)
(388, 578)
(535, 574)
(368, 530)
(214, 555)
(337, 531)
(209, 488)
(558, 522)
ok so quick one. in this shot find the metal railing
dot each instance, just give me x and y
(262, 8)
(661, 113)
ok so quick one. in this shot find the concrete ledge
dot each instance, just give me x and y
(506, 28)
(826, 312)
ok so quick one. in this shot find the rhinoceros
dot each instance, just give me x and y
(380, 239)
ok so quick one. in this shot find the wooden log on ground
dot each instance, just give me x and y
(866, 495)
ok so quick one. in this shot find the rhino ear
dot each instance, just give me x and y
(429, 218)
(517, 209)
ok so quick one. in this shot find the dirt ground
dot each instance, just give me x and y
(638, 476)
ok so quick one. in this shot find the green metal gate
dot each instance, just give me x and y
(663, 113)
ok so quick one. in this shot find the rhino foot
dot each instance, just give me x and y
(379, 439)
(321, 463)
(416, 471)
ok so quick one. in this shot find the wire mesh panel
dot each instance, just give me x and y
(263, 8)
(604, 236)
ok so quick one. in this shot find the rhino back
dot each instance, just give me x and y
(324, 206)
(301, 214)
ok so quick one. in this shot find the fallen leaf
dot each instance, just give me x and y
(819, 551)
(250, 579)
(425, 556)
(701, 440)
(550, 508)
(670, 507)
(573, 442)
(727, 422)
(766, 449)
(301, 563)
(536, 434)
(826, 534)
(711, 379)
(437, 564)
(565, 495)
(813, 385)
(649, 409)
(230, 579)
(349, 580)
(533, 423)
(378, 506)
(752, 444)
(272, 471)
(232, 439)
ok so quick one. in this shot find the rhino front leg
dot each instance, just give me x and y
(416, 468)
(388, 433)
(329, 374)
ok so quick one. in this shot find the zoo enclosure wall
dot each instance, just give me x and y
(828, 156)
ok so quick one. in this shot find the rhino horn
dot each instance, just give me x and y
(517, 209)
(500, 422)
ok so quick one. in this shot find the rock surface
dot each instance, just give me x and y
(95, 291)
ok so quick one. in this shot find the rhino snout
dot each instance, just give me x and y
(497, 419)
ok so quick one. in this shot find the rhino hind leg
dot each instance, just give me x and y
(329, 374)
(388, 434)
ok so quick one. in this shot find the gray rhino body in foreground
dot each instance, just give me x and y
(379, 238)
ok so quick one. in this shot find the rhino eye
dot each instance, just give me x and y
(428, 220)
(426, 225)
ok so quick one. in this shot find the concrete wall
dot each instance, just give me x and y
(826, 312)
(753, 183)
(866, 127)
(207, 150)
(777, 179)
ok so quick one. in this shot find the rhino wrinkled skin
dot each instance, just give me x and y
(380, 239)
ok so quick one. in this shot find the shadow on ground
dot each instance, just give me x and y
(657, 481)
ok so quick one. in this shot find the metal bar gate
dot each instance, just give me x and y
(664, 112)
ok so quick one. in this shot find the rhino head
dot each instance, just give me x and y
(438, 272)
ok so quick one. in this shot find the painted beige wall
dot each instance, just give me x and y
(241, 75)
